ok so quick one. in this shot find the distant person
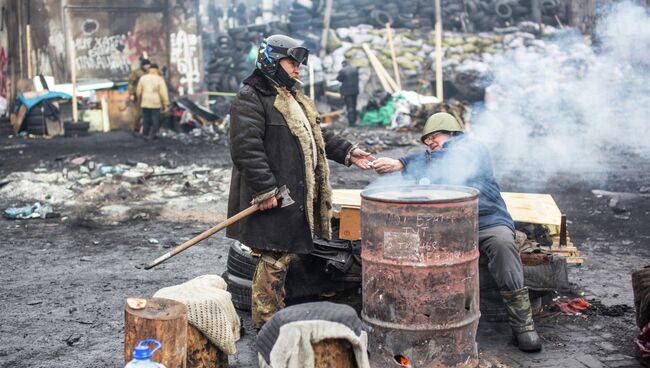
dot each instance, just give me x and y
(349, 78)
(242, 14)
(455, 159)
(152, 94)
(134, 78)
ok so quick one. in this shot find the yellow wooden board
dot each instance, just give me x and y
(347, 197)
(532, 208)
(523, 207)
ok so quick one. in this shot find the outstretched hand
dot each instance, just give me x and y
(386, 165)
(361, 158)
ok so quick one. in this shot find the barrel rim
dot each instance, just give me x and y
(472, 193)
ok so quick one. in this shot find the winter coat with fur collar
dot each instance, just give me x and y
(270, 147)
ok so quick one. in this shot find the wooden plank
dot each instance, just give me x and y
(524, 207)
(384, 78)
(532, 208)
(347, 197)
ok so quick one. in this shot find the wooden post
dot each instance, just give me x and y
(563, 232)
(164, 320)
(439, 92)
(201, 352)
(106, 120)
(311, 81)
(28, 36)
(392, 54)
(73, 71)
(326, 28)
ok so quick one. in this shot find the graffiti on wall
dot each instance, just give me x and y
(184, 54)
(104, 51)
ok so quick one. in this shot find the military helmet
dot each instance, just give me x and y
(277, 47)
(441, 121)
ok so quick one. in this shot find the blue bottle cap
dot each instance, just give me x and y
(142, 352)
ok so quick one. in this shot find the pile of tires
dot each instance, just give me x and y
(307, 277)
(34, 122)
(228, 65)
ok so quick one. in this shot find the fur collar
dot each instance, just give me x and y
(319, 193)
(261, 83)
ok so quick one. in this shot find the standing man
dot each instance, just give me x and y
(276, 140)
(152, 94)
(349, 78)
(134, 78)
(455, 159)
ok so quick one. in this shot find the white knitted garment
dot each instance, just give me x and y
(209, 309)
(293, 348)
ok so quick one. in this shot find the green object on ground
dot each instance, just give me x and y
(382, 117)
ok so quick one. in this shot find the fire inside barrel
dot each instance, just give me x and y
(420, 275)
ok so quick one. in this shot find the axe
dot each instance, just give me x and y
(283, 195)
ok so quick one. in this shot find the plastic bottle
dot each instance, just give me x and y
(142, 356)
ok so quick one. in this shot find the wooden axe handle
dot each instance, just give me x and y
(204, 235)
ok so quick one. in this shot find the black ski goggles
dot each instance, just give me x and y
(299, 54)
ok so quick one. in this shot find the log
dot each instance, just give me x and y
(641, 288)
(201, 352)
(164, 320)
(333, 353)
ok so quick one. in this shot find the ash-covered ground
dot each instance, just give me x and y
(64, 279)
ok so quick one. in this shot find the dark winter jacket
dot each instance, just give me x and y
(463, 161)
(271, 148)
(349, 78)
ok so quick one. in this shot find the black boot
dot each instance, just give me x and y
(520, 317)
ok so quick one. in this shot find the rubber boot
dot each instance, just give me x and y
(520, 317)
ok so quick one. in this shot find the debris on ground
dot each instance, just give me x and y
(616, 310)
(36, 210)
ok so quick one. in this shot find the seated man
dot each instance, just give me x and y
(455, 159)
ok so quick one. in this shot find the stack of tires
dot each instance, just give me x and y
(228, 67)
(239, 275)
(34, 122)
(299, 18)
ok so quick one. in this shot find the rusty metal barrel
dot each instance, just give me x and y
(420, 281)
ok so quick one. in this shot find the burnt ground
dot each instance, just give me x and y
(64, 280)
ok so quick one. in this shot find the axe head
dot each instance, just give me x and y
(283, 194)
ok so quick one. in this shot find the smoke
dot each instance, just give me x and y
(563, 106)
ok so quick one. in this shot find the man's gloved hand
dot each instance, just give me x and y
(361, 158)
(386, 165)
(268, 204)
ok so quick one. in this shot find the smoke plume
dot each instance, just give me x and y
(564, 105)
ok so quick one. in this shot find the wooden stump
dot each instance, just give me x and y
(641, 288)
(334, 353)
(164, 320)
(201, 352)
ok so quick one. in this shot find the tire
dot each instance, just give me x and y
(240, 290)
(503, 9)
(36, 130)
(34, 121)
(240, 262)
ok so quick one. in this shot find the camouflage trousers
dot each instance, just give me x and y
(268, 285)
(520, 314)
